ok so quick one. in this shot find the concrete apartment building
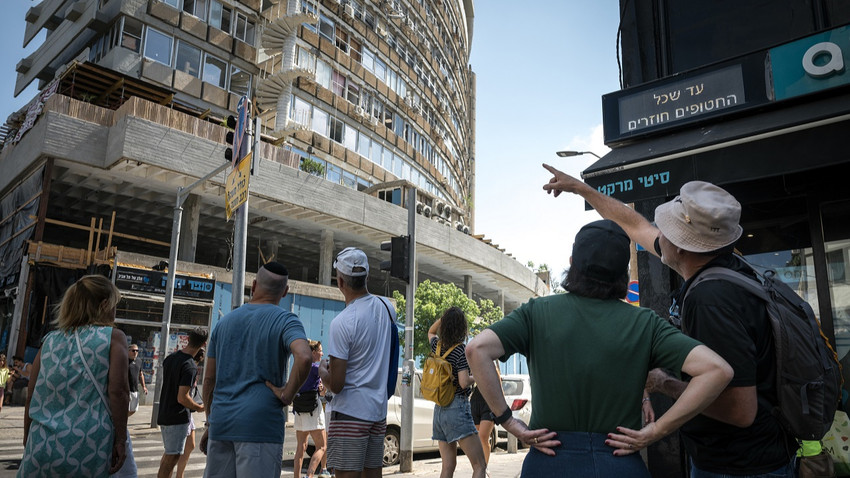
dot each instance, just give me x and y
(359, 101)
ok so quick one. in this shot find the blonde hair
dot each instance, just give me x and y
(314, 344)
(89, 301)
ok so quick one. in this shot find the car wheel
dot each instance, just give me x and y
(493, 441)
(392, 447)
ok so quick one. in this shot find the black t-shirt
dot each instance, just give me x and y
(178, 369)
(457, 359)
(133, 371)
(734, 323)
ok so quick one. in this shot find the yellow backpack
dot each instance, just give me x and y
(437, 384)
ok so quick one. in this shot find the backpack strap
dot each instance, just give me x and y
(443, 356)
(753, 286)
(392, 376)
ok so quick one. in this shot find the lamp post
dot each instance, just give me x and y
(567, 154)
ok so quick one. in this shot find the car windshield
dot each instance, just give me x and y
(512, 387)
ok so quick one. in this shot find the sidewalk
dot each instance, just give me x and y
(502, 463)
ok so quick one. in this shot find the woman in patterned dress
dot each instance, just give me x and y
(72, 426)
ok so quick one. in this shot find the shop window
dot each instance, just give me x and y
(240, 81)
(215, 71)
(220, 16)
(188, 59)
(836, 225)
(158, 46)
(131, 38)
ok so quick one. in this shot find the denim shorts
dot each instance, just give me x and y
(174, 438)
(583, 455)
(787, 471)
(453, 422)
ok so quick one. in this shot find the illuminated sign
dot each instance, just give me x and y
(153, 282)
(812, 64)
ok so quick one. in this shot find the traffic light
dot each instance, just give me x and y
(231, 124)
(399, 263)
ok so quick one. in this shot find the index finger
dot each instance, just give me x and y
(551, 169)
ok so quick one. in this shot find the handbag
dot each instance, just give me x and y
(836, 442)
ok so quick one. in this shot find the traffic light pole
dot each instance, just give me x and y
(406, 456)
(240, 230)
(182, 194)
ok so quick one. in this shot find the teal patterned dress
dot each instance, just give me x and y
(71, 430)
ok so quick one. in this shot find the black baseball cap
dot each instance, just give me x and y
(601, 251)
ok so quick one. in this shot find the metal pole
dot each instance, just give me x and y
(166, 308)
(406, 456)
(240, 239)
(182, 193)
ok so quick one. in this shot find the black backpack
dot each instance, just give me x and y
(305, 402)
(808, 373)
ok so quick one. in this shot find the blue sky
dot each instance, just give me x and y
(542, 68)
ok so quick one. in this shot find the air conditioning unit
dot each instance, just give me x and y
(349, 10)
(447, 211)
(440, 207)
(419, 207)
(359, 111)
(426, 211)
(408, 22)
(466, 230)
(373, 120)
(408, 100)
(381, 31)
(459, 226)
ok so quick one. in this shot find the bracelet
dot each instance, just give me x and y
(645, 400)
(504, 417)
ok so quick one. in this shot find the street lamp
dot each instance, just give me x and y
(567, 154)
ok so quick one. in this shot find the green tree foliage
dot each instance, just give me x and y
(432, 299)
(313, 167)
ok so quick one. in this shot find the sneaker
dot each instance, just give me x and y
(324, 474)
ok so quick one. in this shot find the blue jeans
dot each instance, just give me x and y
(583, 455)
(786, 471)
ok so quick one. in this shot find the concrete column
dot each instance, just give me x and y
(189, 228)
(502, 299)
(467, 286)
(326, 255)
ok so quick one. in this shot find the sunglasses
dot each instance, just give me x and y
(134, 350)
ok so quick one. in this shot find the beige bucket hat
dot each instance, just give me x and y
(702, 218)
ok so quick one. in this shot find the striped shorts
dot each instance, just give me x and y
(355, 444)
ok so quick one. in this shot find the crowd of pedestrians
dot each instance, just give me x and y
(593, 360)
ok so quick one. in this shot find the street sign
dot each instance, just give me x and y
(633, 293)
(236, 188)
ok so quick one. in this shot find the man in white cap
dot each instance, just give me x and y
(359, 346)
(736, 435)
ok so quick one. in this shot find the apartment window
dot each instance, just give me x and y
(350, 138)
(220, 16)
(398, 166)
(354, 51)
(173, 3)
(336, 130)
(306, 59)
(353, 93)
(300, 111)
(368, 59)
(326, 28)
(132, 34)
(363, 185)
(334, 174)
(349, 180)
(240, 81)
(369, 20)
(215, 71)
(342, 40)
(244, 29)
(377, 152)
(323, 74)
(380, 70)
(197, 8)
(338, 86)
(363, 146)
(320, 122)
(188, 59)
(158, 46)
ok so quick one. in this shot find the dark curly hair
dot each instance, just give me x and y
(579, 284)
(453, 327)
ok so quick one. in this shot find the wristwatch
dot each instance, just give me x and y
(504, 417)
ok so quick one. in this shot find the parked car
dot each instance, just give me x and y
(517, 390)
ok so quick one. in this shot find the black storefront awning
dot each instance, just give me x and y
(770, 142)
